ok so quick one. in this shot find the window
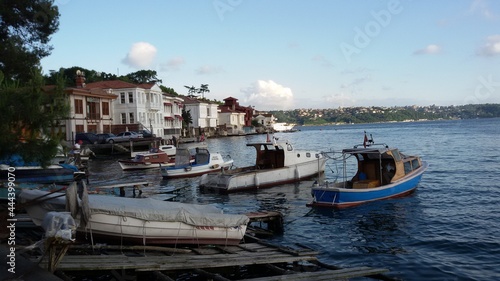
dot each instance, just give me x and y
(79, 128)
(122, 97)
(131, 117)
(124, 118)
(79, 106)
(105, 108)
(93, 108)
(208, 111)
(414, 164)
(130, 97)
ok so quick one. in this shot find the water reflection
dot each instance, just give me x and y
(374, 228)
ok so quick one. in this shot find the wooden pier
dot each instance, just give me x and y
(254, 259)
(248, 261)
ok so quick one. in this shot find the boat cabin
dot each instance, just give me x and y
(270, 155)
(202, 156)
(154, 155)
(380, 166)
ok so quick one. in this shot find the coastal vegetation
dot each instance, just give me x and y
(30, 110)
(373, 114)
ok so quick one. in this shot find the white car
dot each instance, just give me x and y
(124, 136)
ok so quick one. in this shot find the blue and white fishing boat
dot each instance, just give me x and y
(382, 173)
(201, 162)
(15, 168)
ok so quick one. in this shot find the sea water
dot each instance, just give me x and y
(449, 229)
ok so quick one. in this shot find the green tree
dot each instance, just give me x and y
(31, 117)
(203, 89)
(191, 91)
(25, 30)
(68, 74)
(168, 90)
(144, 76)
(187, 119)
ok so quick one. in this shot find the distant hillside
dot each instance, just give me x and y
(375, 114)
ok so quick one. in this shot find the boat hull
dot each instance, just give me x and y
(52, 174)
(160, 232)
(255, 178)
(117, 225)
(339, 197)
(131, 165)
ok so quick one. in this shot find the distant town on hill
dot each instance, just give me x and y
(373, 114)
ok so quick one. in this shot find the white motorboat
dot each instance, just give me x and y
(144, 221)
(204, 162)
(276, 163)
(169, 149)
(284, 127)
(154, 158)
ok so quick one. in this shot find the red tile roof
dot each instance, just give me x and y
(112, 84)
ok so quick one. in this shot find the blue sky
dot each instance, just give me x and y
(293, 54)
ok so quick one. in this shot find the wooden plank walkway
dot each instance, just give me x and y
(206, 260)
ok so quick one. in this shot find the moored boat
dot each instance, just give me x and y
(204, 162)
(143, 221)
(284, 127)
(277, 162)
(55, 173)
(154, 158)
(169, 149)
(382, 173)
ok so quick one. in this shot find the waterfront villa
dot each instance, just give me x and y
(115, 106)
(91, 108)
(172, 116)
(203, 114)
(138, 106)
(265, 119)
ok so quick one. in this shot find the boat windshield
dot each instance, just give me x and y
(182, 158)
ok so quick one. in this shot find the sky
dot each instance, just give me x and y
(291, 54)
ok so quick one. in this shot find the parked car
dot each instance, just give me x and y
(146, 134)
(87, 138)
(105, 136)
(124, 136)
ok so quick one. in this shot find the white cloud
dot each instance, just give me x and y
(268, 95)
(429, 50)
(141, 55)
(491, 47)
(482, 8)
(208, 69)
(173, 64)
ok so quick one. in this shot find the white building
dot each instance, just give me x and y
(136, 107)
(172, 116)
(203, 114)
(91, 109)
(265, 119)
(233, 121)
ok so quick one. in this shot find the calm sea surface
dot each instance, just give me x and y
(449, 229)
